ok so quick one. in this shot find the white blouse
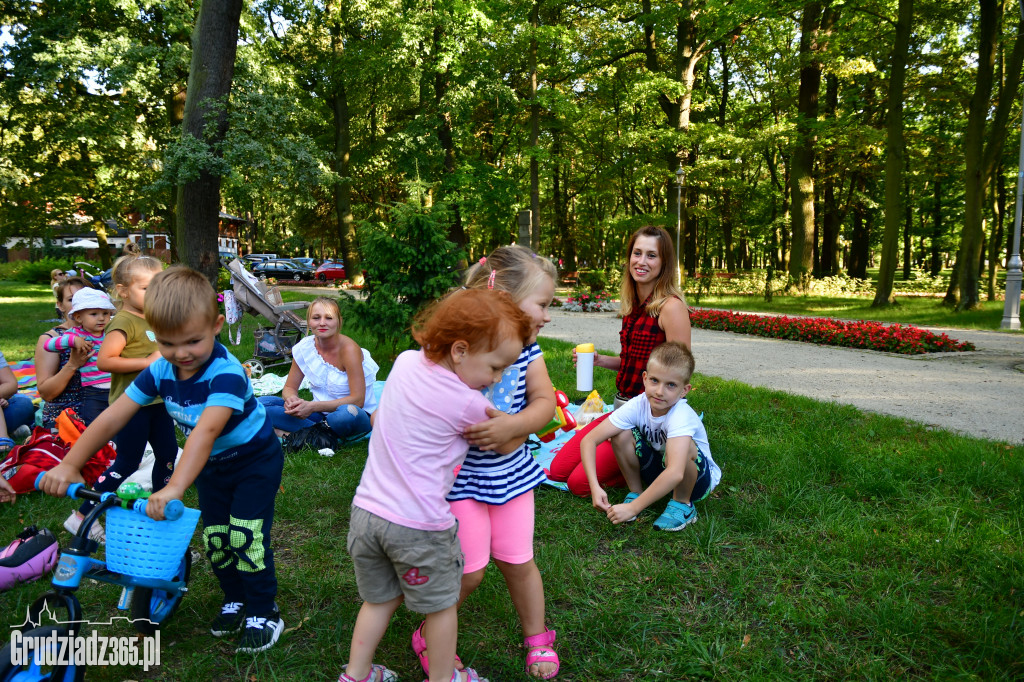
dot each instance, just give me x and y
(326, 381)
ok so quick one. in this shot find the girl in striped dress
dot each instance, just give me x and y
(493, 493)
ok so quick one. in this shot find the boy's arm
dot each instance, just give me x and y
(194, 456)
(588, 457)
(506, 432)
(107, 425)
(675, 466)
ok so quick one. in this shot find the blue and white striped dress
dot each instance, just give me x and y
(488, 476)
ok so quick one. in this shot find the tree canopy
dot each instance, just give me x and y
(806, 131)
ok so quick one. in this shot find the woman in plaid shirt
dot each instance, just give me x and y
(653, 311)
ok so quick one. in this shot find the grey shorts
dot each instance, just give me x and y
(392, 560)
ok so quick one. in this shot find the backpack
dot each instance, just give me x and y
(32, 555)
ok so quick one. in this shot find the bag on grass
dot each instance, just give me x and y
(318, 436)
(31, 556)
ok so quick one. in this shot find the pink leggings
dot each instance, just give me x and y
(504, 531)
(568, 467)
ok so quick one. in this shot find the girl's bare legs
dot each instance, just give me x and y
(371, 623)
(441, 632)
(526, 588)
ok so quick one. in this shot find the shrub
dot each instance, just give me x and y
(37, 272)
(409, 262)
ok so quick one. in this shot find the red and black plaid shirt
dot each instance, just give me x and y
(640, 335)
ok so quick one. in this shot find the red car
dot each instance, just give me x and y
(330, 270)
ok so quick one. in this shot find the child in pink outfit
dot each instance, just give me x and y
(402, 534)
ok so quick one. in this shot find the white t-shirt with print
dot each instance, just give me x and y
(680, 420)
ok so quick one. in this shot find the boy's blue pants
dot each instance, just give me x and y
(236, 499)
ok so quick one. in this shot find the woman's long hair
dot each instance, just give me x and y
(665, 286)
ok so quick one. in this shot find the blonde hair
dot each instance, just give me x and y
(177, 296)
(674, 356)
(514, 269)
(53, 275)
(126, 268)
(664, 286)
(329, 303)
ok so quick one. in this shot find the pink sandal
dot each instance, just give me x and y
(540, 651)
(419, 645)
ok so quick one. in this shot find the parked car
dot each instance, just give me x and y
(308, 262)
(331, 270)
(253, 258)
(282, 269)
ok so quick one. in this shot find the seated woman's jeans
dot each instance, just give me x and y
(19, 412)
(346, 421)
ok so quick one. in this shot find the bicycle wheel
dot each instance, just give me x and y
(29, 669)
(151, 607)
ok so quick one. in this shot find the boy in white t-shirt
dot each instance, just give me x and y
(672, 454)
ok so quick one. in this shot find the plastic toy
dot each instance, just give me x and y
(563, 419)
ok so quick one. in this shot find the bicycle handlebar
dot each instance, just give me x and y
(172, 512)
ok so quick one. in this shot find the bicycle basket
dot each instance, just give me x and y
(143, 548)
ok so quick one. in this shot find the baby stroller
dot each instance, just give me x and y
(273, 346)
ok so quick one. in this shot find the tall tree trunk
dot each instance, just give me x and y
(347, 240)
(894, 157)
(214, 44)
(908, 223)
(936, 264)
(534, 132)
(456, 231)
(995, 242)
(815, 26)
(175, 118)
(831, 219)
(983, 144)
(860, 242)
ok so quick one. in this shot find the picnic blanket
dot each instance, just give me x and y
(25, 373)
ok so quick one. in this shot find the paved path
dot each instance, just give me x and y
(979, 393)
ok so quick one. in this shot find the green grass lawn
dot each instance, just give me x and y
(915, 310)
(839, 545)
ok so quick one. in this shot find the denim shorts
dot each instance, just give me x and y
(392, 560)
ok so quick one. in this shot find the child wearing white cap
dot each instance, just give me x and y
(90, 311)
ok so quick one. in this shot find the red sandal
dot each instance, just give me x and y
(540, 651)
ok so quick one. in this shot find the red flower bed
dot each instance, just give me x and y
(825, 331)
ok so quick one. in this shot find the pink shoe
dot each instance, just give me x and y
(539, 651)
(419, 646)
(32, 554)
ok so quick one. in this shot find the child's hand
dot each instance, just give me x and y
(158, 501)
(57, 480)
(81, 344)
(493, 433)
(7, 493)
(620, 513)
(600, 499)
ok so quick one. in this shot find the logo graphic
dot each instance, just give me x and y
(65, 645)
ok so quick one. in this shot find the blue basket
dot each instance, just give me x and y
(141, 547)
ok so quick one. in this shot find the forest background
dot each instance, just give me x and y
(808, 138)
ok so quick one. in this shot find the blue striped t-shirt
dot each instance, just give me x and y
(491, 477)
(222, 381)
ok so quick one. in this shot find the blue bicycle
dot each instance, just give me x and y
(149, 559)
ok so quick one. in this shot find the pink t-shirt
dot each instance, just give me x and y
(417, 442)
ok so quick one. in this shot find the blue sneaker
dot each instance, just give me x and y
(677, 516)
(629, 498)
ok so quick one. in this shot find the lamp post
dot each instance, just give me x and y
(1011, 305)
(680, 174)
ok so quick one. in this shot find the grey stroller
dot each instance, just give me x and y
(273, 345)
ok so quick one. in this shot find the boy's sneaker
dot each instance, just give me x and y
(96, 532)
(378, 673)
(261, 632)
(230, 620)
(629, 498)
(677, 516)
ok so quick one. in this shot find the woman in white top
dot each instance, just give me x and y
(340, 375)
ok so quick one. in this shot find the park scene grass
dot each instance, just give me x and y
(839, 545)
